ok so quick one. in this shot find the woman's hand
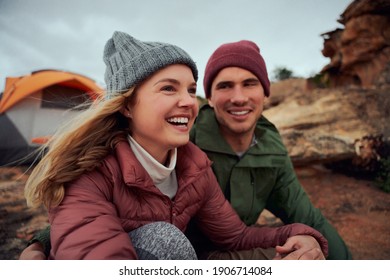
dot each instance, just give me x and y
(300, 247)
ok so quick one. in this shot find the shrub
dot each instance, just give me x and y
(282, 73)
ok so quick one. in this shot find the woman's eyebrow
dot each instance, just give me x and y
(174, 81)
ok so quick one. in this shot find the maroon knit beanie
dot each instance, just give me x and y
(244, 54)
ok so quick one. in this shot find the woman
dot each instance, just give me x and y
(127, 166)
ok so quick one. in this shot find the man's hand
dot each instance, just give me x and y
(33, 252)
(300, 247)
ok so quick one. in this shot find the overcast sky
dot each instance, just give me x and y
(71, 34)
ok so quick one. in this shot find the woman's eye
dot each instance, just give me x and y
(192, 91)
(168, 88)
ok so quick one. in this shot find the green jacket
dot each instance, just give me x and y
(263, 177)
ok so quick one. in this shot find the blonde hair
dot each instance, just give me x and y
(77, 147)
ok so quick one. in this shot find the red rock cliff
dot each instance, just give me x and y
(360, 53)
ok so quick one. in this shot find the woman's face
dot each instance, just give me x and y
(164, 110)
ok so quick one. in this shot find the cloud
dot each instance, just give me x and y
(70, 34)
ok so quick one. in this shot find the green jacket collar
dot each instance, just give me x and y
(205, 134)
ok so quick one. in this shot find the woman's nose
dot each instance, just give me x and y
(187, 100)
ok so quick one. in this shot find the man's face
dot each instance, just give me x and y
(237, 97)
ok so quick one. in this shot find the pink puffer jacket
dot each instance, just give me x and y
(101, 207)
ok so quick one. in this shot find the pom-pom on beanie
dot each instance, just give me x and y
(130, 61)
(244, 54)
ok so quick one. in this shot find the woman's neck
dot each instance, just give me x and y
(160, 155)
(165, 158)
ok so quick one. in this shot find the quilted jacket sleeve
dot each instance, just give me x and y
(222, 225)
(85, 225)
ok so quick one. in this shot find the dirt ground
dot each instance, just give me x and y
(358, 210)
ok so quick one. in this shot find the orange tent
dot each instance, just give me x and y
(18, 88)
(33, 106)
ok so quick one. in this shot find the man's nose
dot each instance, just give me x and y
(239, 95)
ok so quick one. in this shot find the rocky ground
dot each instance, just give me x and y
(17, 222)
(358, 210)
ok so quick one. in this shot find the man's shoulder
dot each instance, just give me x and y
(204, 121)
(264, 123)
(269, 135)
(205, 111)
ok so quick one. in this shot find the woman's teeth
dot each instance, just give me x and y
(178, 120)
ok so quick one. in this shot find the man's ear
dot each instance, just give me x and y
(210, 103)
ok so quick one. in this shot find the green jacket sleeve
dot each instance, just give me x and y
(42, 237)
(291, 204)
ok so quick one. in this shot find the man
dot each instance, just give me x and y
(249, 159)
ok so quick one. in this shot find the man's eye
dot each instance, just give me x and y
(223, 86)
(251, 83)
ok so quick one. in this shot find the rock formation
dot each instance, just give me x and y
(324, 125)
(359, 53)
(339, 119)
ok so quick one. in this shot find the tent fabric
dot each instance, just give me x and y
(13, 146)
(17, 88)
(32, 107)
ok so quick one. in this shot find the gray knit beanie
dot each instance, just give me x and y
(130, 61)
